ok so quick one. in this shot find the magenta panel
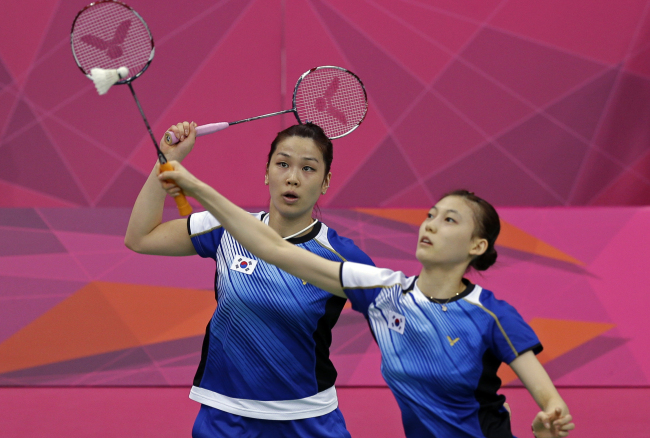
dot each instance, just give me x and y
(489, 65)
(368, 412)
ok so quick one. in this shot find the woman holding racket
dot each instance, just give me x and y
(265, 367)
(442, 338)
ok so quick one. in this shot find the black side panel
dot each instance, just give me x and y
(204, 357)
(495, 421)
(325, 371)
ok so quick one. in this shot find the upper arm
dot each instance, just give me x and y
(169, 238)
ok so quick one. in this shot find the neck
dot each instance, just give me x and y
(441, 282)
(286, 226)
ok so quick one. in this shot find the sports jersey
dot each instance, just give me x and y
(440, 365)
(266, 349)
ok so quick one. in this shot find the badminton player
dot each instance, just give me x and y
(265, 367)
(442, 338)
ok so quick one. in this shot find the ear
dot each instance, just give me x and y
(326, 183)
(266, 175)
(478, 246)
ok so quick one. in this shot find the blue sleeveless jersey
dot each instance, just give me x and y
(266, 350)
(440, 365)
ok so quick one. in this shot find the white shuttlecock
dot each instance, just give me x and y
(105, 79)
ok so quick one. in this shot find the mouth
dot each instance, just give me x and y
(425, 241)
(290, 197)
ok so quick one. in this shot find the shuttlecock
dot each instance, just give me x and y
(105, 79)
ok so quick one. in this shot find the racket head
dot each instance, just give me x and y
(109, 34)
(331, 97)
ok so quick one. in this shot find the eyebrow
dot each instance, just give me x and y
(284, 154)
(448, 211)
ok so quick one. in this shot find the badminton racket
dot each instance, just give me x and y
(112, 44)
(331, 97)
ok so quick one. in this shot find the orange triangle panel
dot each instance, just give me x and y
(510, 236)
(103, 317)
(558, 337)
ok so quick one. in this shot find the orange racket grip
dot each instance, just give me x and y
(184, 207)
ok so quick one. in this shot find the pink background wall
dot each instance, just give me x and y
(537, 103)
(540, 107)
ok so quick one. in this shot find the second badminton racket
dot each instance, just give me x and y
(331, 97)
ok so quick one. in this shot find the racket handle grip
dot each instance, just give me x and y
(184, 207)
(210, 128)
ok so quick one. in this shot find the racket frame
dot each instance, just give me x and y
(153, 46)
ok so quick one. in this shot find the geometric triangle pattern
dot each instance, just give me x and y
(78, 308)
(527, 104)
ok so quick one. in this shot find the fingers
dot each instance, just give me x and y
(543, 418)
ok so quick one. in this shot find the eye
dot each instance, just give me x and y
(430, 216)
(308, 169)
(450, 219)
(283, 164)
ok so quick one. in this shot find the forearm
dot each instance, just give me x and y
(539, 384)
(259, 239)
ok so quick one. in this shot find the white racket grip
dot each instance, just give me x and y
(210, 128)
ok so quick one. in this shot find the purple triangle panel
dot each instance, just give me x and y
(5, 77)
(434, 134)
(125, 189)
(350, 334)
(383, 175)
(582, 110)
(548, 150)
(21, 218)
(30, 160)
(494, 177)
(25, 299)
(28, 242)
(389, 85)
(584, 354)
(109, 221)
(485, 103)
(625, 131)
(538, 73)
(597, 173)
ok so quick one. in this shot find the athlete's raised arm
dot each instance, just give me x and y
(258, 238)
(146, 233)
(554, 420)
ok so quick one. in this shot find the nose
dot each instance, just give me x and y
(430, 225)
(292, 178)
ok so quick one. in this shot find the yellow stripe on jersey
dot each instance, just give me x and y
(503, 332)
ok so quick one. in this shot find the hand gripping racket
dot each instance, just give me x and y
(331, 97)
(111, 43)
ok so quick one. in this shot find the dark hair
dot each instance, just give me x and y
(487, 226)
(307, 130)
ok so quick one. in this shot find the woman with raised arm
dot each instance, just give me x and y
(265, 367)
(442, 338)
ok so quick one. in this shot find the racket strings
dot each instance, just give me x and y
(109, 36)
(332, 98)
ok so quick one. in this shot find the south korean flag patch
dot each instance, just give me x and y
(396, 322)
(243, 264)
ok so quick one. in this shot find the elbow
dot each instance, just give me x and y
(132, 244)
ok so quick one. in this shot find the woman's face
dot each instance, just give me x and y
(296, 177)
(447, 234)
